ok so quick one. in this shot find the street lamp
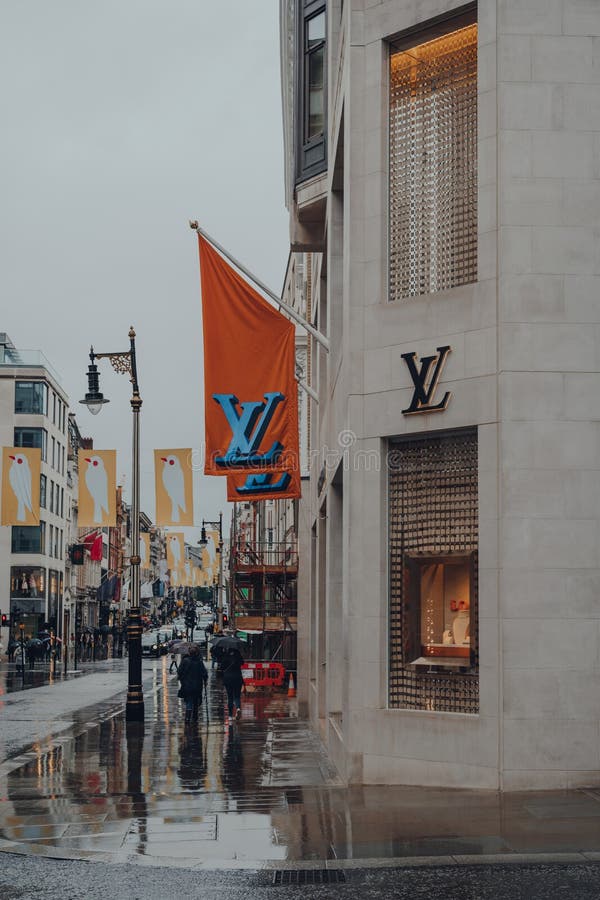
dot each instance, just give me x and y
(203, 542)
(125, 364)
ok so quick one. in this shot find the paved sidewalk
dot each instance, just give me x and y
(260, 793)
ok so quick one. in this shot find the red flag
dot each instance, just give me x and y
(96, 549)
(250, 390)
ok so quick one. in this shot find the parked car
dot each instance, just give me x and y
(154, 643)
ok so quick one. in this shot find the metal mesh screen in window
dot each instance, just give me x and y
(433, 513)
(433, 165)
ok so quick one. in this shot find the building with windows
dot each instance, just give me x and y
(443, 185)
(33, 413)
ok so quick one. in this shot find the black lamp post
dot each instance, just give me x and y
(125, 364)
(203, 542)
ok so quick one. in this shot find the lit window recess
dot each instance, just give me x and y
(441, 595)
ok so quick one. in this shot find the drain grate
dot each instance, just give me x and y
(309, 876)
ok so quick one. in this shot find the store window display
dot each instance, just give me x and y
(440, 590)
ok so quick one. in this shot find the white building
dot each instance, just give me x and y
(443, 181)
(33, 413)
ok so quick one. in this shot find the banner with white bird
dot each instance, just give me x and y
(176, 556)
(174, 491)
(144, 550)
(97, 488)
(21, 485)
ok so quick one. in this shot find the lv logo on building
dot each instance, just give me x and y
(426, 384)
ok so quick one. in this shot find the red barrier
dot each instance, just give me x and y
(263, 674)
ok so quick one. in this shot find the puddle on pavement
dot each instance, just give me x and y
(206, 791)
(262, 789)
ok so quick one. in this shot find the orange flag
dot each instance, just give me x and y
(264, 486)
(250, 390)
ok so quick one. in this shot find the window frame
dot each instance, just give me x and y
(308, 10)
(437, 27)
(33, 430)
(17, 530)
(423, 654)
(39, 573)
(30, 410)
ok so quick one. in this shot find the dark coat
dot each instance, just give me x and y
(232, 662)
(193, 676)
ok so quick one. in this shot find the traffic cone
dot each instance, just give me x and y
(291, 686)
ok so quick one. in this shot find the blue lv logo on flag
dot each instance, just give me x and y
(261, 484)
(248, 428)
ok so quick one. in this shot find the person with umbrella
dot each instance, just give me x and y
(193, 676)
(228, 651)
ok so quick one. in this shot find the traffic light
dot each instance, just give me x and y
(225, 619)
(77, 554)
(5, 621)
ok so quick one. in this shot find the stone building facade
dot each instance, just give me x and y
(443, 182)
(34, 413)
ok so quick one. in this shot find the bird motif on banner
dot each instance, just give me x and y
(173, 482)
(19, 478)
(144, 561)
(96, 481)
(176, 556)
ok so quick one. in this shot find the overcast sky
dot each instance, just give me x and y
(121, 120)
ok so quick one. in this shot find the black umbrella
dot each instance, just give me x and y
(228, 642)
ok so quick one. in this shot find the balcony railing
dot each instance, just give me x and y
(27, 359)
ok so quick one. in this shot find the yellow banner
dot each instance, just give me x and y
(144, 550)
(174, 489)
(176, 557)
(97, 488)
(21, 485)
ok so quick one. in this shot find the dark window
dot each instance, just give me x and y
(28, 538)
(43, 486)
(31, 397)
(32, 437)
(312, 91)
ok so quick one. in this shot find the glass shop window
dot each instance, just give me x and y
(27, 581)
(440, 597)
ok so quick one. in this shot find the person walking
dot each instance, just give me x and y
(232, 662)
(193, 676)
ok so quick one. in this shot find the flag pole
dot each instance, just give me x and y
(292, 313)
